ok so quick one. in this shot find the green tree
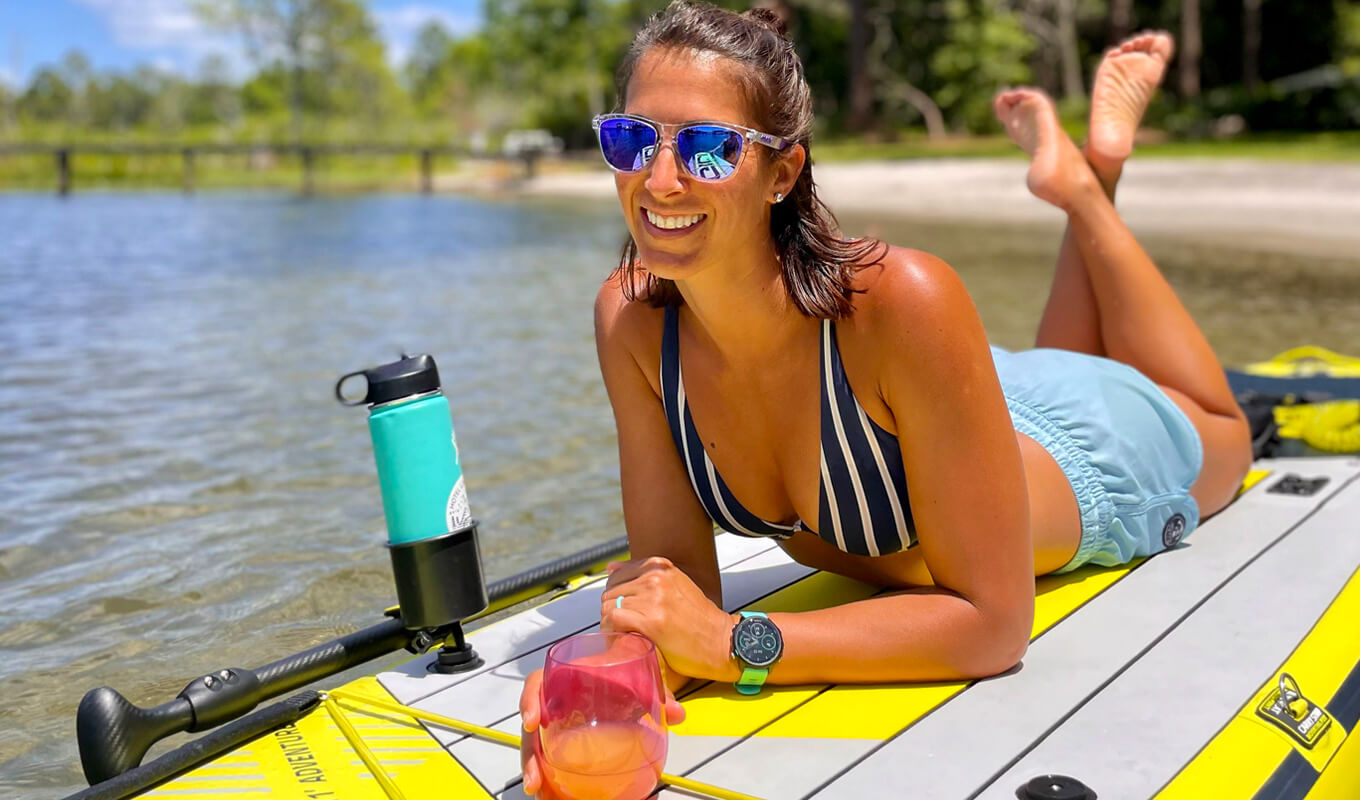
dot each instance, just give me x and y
(427, 68)
(213, 99)
(327, 50)
(987, 49)
(554, 58)
(1348, 38)
(48, 97)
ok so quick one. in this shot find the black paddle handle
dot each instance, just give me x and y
(139, 779)
(113, 734)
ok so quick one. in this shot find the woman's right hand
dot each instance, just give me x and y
(530, 750)
(530, 753)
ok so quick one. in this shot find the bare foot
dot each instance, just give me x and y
(1058, 172)
(1125, 81)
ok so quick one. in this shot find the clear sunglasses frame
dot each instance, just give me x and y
(748, 135)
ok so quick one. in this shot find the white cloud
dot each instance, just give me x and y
(168, 26)
(171, 27)
(8, 78)
(399, 26)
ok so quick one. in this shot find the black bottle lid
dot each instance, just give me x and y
(410, 376)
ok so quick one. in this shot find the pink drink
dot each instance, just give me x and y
(603, 727)
(608, 761)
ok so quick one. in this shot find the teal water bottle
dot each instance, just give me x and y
(431, 534)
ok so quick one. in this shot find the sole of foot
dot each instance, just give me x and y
(1058, 171)
(1125, 81)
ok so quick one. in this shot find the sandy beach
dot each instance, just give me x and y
(1305, 208)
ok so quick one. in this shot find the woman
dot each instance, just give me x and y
(772, 378)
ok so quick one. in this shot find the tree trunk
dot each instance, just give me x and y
(1251, 43)
(1121, 20)
(1192, 47)
(861, 93)
(1069, 48)
(295, 76)
(919, 100)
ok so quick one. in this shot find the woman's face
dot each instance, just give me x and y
(669, 87)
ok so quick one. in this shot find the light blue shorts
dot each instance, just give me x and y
(1129, 452)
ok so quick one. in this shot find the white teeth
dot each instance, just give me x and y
(672, 223)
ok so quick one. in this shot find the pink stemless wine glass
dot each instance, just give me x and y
(603, 725)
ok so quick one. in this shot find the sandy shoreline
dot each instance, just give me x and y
(1309, 208)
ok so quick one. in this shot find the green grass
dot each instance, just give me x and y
(337, 173)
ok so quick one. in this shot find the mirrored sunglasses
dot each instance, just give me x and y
(709, 151)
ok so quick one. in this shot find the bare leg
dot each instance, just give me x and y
(1142, 322)
(1124, 83)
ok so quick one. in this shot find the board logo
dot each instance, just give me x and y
(1285, 707)
(1173, 530)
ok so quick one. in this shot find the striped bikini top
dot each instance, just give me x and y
(863, 500)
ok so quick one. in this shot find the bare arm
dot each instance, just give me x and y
(661, 513)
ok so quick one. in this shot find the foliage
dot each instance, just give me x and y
(320, 71)
(988, 49)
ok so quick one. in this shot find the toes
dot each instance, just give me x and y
(1151, 42)
(1006, 99)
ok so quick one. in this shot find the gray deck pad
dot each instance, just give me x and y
(1122, 743)
(960, 747)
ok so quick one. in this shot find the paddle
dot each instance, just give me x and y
(114, 734)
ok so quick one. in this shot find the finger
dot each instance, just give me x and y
(532, 781)
(675, 713)
(529, 700)
(528, 760)
(624, 620)
(628, 570)
(615, 567)
(632, 589)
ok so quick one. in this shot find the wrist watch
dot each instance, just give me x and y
(757, 645)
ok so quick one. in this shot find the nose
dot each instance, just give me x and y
(664, 172)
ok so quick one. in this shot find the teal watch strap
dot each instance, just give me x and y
(752, 678)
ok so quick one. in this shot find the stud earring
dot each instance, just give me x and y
(778, 197)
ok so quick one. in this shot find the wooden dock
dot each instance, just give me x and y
(63, 157)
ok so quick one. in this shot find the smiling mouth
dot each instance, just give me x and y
(671, 224)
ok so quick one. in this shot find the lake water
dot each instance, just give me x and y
(180, 491)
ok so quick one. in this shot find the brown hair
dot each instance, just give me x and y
(818, 264)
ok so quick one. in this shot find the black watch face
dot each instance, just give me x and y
(758, 642)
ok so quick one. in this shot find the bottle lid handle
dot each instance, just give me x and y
(339, 395)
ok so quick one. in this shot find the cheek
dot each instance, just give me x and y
(623, 185)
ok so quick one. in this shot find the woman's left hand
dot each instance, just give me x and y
(663, 604)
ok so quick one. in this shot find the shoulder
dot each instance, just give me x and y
(919, 333)
(911, 297)
(627, 329)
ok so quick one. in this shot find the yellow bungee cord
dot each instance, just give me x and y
(1306, 361)
(508, 739)
(1332, 426)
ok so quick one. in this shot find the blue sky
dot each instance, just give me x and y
(120, 34)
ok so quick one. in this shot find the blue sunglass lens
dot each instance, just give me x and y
(627, 144)
(709, 152)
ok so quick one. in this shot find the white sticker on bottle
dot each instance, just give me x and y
(458, 515)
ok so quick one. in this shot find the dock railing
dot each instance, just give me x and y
(64, 157)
